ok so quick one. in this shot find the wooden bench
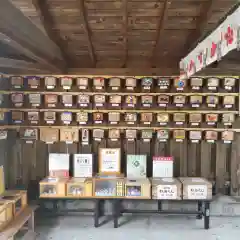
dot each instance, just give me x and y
(17, 224)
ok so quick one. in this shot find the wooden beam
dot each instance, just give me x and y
(125, 71)
(87, 32)
(21, 30)
(160, 28)
(28, 67)
(201, 23)
(18, 47)
(42, 9)
(125, 30)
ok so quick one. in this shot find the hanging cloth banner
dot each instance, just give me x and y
(219, 43)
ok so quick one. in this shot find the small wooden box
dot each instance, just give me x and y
(196, 188)
(137, 188)
(53, 187)
(18, 198)
(6, 213)
(108, 186)
(79, 187)
(166, 188)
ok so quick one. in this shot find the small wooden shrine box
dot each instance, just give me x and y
(166, 188)
(53, 187)
(108, 186)
(137, 188)
(18, 198)
(6, 213)
(196, 188)
(79, 187)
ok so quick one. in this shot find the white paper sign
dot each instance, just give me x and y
(162, 166)
(59, 164)
(197, 191)
(167, 192)
(82, 165)
(109, 160)
(136, 166)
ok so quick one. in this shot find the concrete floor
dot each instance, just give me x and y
(138, 228)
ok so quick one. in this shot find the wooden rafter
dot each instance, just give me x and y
(47, 22)
(87, 32)
(160, 29)
(125, 30)
(27, 52)
(201, 23)
(22, 34)
(22, 65)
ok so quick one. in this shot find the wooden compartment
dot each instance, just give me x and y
(137, 188)
(6, 213)
(79, 187)
(166, 188)
(53, 187)
(196, 188)
(108, 186)
(18, 198)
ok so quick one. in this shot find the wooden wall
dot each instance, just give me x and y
(26, 163)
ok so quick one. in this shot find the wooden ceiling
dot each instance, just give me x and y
(58, 35)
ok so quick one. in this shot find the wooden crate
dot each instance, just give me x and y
(108, 186)
(6, 213)
(166, 188)
(53, 187)
(137, 188)
(196, 188)
(80, 187)
(19, 199)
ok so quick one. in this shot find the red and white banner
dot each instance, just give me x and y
(221, 41)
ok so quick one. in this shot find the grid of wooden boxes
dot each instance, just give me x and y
(111, 183)
(12, 202)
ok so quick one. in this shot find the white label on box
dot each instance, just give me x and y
(130, 105)
(197, 191)
(129, 88)
(130, 122)
(16, 86)
(113, 122)
(130, 139)
(146, 122)
(163, 87)
(99, 88)
(162, 104)
(83, 104)
(98, 139)
(82, 122)
(115, 105)
(179, 123)
(211, 123)
(115, 88)
(146, 105)
(194, 124)
(98, 121)
(166, 192)
(51, 105)
(179, 140)
(179, 89)
(228, 106)
(227, 141)
(210, 141)
(35, 105)
(85, 143)
(179, 105)
(68, 105)
(227, 124)
(146, 140)
(212, 88)
(66, 87)
(33, 122)
(195, 88)
(195, 105)
(29, 141)
(50, 122)
(99, 104)
(69, 142)
(50, 87)
(162, 140)
(113, 139)
(211, 105)
(67, 122)
(82, 87)
(195, 141)
(82, 165)
(228, 88)
(146, 87)
(162, 123)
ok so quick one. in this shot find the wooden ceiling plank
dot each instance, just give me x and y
(201, 23)
(160, 27)
(18, 47)
(87, 31)
(42, 9)
(125, 30)
(21, 30)
(22, 65)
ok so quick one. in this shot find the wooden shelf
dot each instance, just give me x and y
(122, 128)
(121, 93)
(114, 110)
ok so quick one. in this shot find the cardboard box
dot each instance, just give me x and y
(196, 188)
(6, 213)
(137, 188)
(53, 187)
(166, 188)
(80, 187)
